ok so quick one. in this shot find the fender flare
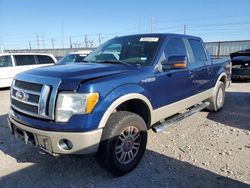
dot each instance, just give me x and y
(121, 100)
(218, 80)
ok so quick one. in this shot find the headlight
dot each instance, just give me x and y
(69, 104)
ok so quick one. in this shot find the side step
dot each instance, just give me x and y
(168, 122)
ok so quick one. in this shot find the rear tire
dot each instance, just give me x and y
(123, 143)
(217, 101)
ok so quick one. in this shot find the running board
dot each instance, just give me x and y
(168, 122)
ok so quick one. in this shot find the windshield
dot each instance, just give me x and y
(72, 58)
(129, 49)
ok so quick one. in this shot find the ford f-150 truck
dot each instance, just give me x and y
(106, 104)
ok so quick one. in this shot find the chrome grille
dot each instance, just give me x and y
(31, 98)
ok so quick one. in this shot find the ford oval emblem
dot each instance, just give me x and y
(21, 95)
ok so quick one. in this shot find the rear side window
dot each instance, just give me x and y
(198, 50)
(175, 47)
(43, 59)
(5, 61)
(24, 60)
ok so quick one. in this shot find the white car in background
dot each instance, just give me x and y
(13, 63)
(74, 57)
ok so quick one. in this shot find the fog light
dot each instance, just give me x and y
(65, 144)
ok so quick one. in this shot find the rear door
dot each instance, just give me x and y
(7, 71)
(24, 62)
(200, 67)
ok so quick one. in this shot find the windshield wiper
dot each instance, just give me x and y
(114, 62)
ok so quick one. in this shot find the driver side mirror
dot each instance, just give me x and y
(174, 62)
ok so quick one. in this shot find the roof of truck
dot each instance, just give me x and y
(163, 35)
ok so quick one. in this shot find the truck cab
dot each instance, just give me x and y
(107, 104)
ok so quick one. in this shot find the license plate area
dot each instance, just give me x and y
(34, 139)
(25, 136)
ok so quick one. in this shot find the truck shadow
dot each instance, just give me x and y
(235, 112)
(155, 170)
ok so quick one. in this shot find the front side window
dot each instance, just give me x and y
(175, 47)
(5, 61)
(129, 49)
(198, 50)
(24, 60)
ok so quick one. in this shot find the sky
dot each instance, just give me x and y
(42, 24)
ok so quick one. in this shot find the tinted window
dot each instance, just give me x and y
(175, 47)
(198, 50)
(43, 59)
(24, 60)
(5, 61)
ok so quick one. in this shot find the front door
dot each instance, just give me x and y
(173, 85)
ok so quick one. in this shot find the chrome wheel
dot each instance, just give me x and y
(128, 145)
(220, 98)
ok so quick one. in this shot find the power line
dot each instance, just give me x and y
(52, 41)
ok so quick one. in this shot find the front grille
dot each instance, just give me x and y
(31, 98)
(241, 71)
(23, 106)
(28, 86)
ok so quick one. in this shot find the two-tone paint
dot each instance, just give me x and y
(164, 93)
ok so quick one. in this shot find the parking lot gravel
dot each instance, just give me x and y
(204, 150)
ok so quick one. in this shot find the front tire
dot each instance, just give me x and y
(217, 101)
(123, 143)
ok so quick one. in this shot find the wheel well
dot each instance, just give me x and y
(224, 79)
(138, 107)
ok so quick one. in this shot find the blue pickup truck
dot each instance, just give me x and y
(107, 104)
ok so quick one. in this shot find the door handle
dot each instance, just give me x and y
(191, 74)
(209, 70)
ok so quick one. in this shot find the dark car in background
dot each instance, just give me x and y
(241, 65)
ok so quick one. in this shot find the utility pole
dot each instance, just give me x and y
(184, 29)
(52, 41)
(43, 40)
(86, 41)
(37, 40)
(70, 42)
(30, 45)
(99, 38)
(62, 36)
(152, 24)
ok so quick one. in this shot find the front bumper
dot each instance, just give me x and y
(58, 142)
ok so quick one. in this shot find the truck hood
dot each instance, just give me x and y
(72, 75)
